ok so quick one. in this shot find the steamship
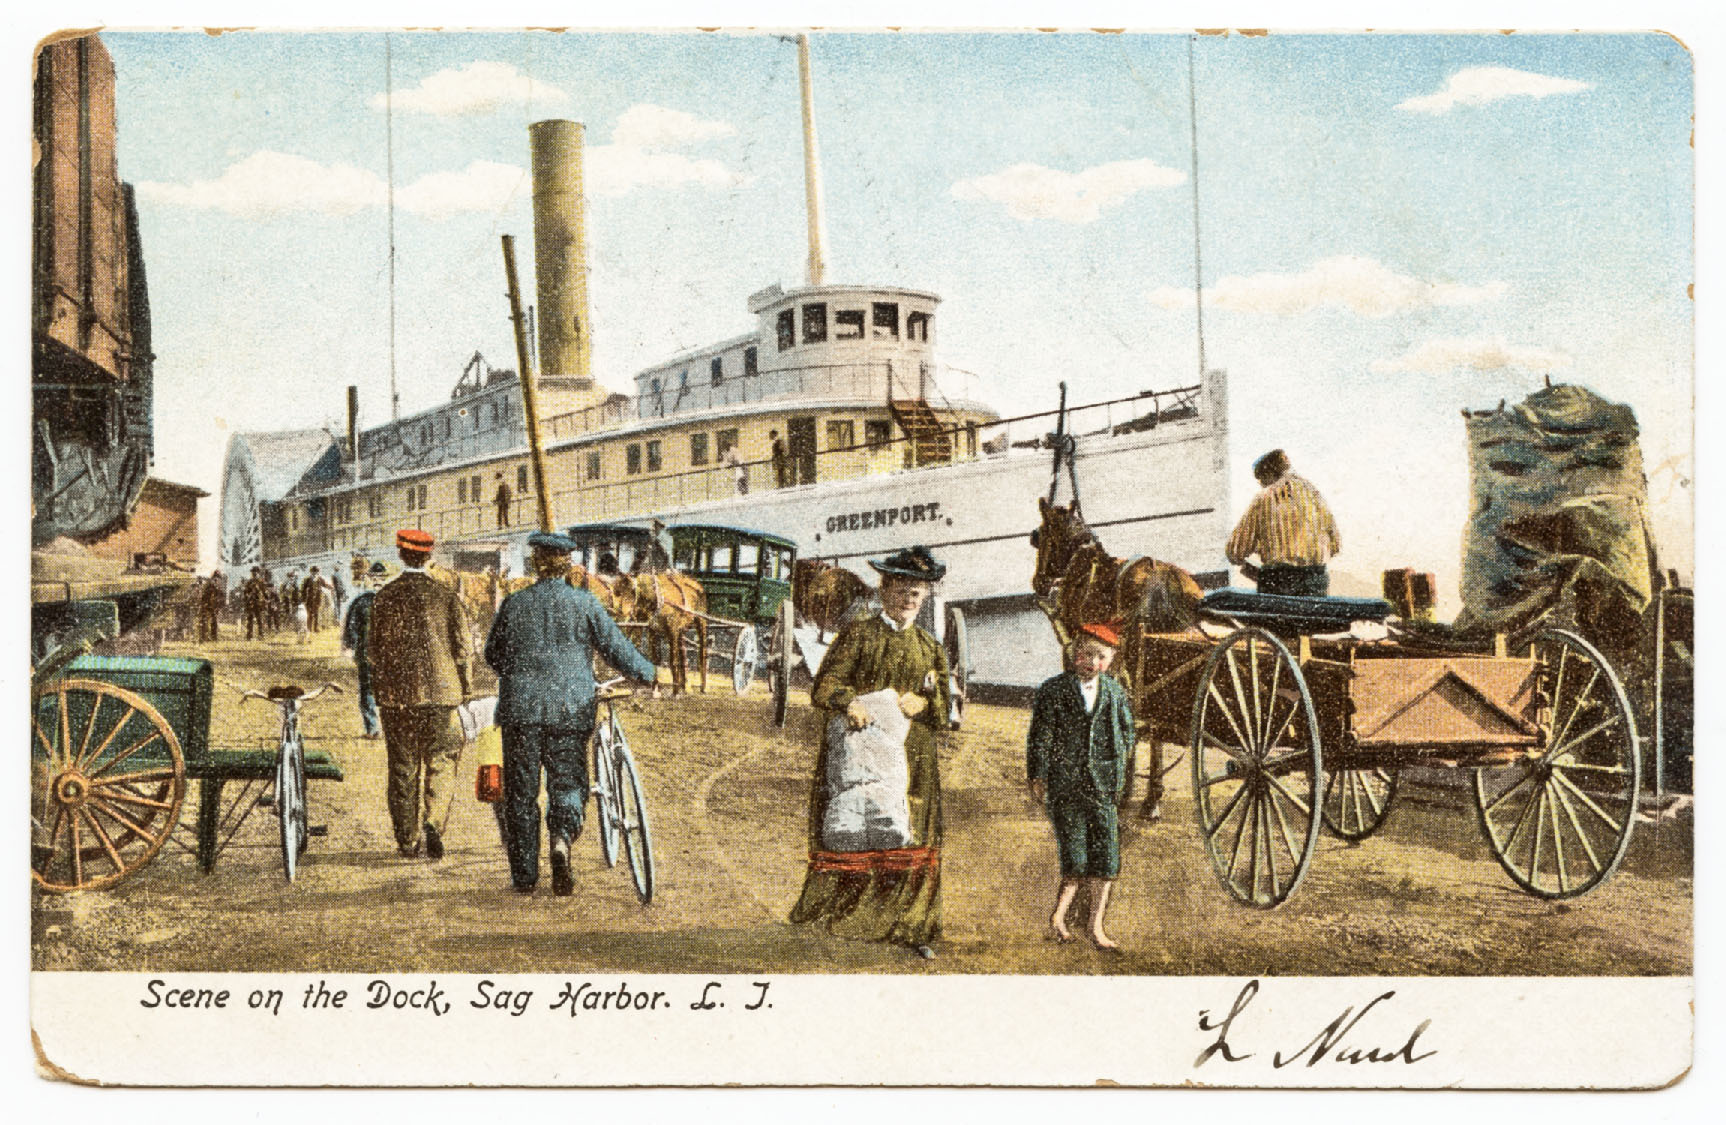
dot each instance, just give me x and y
(829, 421)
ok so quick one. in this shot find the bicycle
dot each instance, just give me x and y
(289, 798)
(618, 801)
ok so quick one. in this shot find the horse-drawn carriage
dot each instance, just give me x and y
(824, 596)
(1298, 714)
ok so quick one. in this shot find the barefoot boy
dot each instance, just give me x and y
(1077, 756)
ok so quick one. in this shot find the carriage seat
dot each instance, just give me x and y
(1287, 613)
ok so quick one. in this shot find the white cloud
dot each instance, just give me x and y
(1479, 85)
(1479, 353)
(618, 169)
(478, 87)
(268, 185)
(481, 186)
(1031, 191)
(1362, 285)
(656, 127)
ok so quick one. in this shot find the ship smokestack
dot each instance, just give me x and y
(354, 428)
(560, 255)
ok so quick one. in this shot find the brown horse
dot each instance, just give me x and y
(482, 592)
(1086, 583)
(670, 604)
(821, 592)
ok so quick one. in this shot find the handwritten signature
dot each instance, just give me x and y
(1332, 1040)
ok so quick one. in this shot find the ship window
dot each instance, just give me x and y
(422, 496)
(410, 498)
(886, 320)
(653, 457)
(698, 449)
(473, 488)
(717, 370)
(723, 442)
(521, 487)
(787, 329)
(593, 466)
(293, 519)
(748, 557)
(461, 490)
(814, 323)
(841, 435)
(374, 507)
(848, 324)
(632, 457)
(877, 433)
(750, 361)
(917, 327)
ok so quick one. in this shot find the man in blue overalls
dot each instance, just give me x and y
(541, 645)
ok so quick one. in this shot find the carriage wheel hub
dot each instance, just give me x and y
(71, 788)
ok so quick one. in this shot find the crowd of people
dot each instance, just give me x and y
(262, 605)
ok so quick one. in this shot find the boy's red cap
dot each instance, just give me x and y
(1101, 631)
(414, 539)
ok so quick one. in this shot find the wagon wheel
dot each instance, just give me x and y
(745, 655)
(605, 796)
(107, 782)
(1356, 802)
(781, 648)
(632, 820)
(1257, 767)
(958, 646)
(1559, 820)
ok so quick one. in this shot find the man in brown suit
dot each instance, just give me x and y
(420, 651)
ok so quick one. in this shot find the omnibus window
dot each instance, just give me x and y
(721, 558)
(748, 557)
(784, 555)
(626, 557)
(684, 555)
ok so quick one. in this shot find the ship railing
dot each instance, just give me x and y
(598, 500)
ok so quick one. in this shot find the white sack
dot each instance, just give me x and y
(867, 779)
(476, 715)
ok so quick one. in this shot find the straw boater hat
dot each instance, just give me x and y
(913, 562)
(413, 539)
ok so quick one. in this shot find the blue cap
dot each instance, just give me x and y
(552, 541)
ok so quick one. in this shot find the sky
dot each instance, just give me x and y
(1393, 227)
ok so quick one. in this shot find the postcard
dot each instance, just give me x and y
(699, 557)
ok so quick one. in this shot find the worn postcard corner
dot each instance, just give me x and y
(682, 559)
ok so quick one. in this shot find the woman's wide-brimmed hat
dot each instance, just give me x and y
(913, 562)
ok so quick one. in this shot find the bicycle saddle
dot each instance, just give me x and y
(285, 691)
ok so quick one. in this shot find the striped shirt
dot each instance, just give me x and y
(1287, 524)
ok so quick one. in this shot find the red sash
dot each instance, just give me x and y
(888, 859)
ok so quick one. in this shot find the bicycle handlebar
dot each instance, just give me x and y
(289, 693)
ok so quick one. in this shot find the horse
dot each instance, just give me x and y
(670, 604)
(1077, 581)
(482, 592)
(821, 592)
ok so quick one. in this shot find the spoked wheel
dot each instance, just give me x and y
(745, 656)
(637, 837)
(290, 804)
(107, 782)
(1356, 802)
(958, 647)
(606, 812)
(780, 652)
(1559, 821)
(1257, 767)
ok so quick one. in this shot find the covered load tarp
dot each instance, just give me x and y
(1558, 528)
(868, 777)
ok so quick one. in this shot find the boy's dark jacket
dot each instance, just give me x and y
(1079, 755)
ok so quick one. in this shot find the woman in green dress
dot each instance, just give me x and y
(890, 895)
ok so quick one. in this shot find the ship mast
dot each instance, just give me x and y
(1198, 268)
(811, 169)
(390, 178)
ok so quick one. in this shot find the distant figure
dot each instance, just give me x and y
(502, 500)
(256, 597)
(273, 608)
(542, 645)
(781, 462)
(735, 463)
(1077, 754)
(312, 593)
(1289, 527)
(341, 596)
(356, 634)
(210, 599)
(420, 651)
(356, 570)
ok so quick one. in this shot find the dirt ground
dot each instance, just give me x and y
(727, 796)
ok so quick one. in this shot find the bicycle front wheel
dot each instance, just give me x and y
(637, 837)
(607, 810)
(291, 803)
